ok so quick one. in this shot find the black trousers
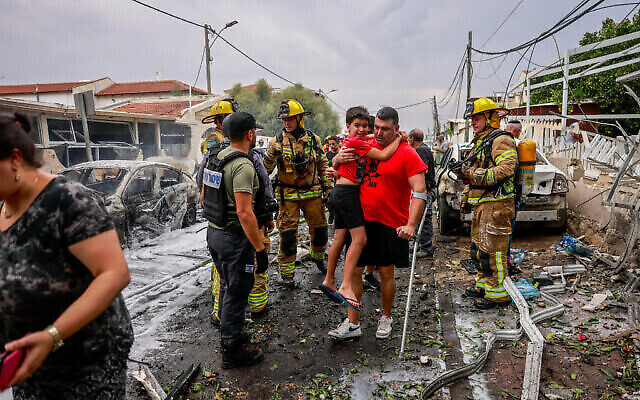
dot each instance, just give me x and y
(425, 238)
(233, 255)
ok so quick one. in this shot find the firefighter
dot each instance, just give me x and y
(219, 112)
(490, 168)
(302, 184)
(259, 293)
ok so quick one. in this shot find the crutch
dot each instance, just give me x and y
(427, 208)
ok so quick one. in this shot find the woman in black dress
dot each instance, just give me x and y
(61, 274)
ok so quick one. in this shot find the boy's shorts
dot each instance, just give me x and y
(345, 203)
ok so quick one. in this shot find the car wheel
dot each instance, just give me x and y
(448, 218)
(190, 216)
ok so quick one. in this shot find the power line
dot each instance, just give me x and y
(200, 67)
(414, 104)
(168, 13)
(503, 22)
(449, 93)
(232, 46)
(254, 61)
(560, 25)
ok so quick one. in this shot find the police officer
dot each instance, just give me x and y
(231, 190)
(219, 111)
(302, 185)
(490, 169)
(258, 298)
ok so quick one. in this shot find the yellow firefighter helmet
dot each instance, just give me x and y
(290, 108)
(489, 108)
(221, 108)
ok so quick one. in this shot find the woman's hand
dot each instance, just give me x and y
(37, 347)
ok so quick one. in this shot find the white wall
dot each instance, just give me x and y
(56, 97)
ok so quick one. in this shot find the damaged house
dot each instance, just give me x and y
(131, 120)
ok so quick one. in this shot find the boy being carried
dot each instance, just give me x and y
(345, 202)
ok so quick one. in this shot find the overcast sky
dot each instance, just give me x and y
(373, 52)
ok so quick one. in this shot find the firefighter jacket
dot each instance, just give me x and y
(214, 135)
(491, 172)
(297, 180)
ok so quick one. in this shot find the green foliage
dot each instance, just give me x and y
(602, 88)
(264, 104)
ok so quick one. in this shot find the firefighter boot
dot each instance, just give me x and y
(240, 356)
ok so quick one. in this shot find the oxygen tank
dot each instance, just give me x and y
(527, 165)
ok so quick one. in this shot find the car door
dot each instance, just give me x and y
(174, 191)
(141, 196)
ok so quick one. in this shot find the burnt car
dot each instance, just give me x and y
(546, 205)
(140, 195)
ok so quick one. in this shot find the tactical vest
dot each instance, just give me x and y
(215, 204)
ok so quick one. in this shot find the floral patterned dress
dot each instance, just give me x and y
(40, 278)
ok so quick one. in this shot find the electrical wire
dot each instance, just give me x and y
(459, 95)
(168, 13)
(560, 25)
(495, 70)
(503, 22)
(414, 104)
(200, 67)
(456, 76)
(230, 45)
(449, 93)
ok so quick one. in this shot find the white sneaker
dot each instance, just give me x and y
(346, 330)
(384, 327)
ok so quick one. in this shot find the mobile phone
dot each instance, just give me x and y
(9, 364)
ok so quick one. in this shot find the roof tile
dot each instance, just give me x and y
(148, 87)
(164, 108)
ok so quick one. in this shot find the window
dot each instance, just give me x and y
(169, 177)
(142, 182)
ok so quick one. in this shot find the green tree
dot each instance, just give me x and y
(602, 88)
(263, 103)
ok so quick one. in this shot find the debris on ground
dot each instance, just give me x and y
(587, 354)
(596, 302)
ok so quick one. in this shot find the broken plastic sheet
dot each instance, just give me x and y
(570, 244)
(517, 256)
(527, 290)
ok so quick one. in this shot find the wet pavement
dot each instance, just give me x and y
(173, 331)
(169, 301)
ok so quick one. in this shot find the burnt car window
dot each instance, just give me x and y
(141, 183)
(105, 180)
(169, 177)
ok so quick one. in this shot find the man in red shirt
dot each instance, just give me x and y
(390, 220)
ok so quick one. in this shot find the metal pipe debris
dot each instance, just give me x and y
(448, 377)
(144, 375)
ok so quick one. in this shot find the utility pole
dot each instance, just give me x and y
(436, 122)
(208, 55)
(466, 121)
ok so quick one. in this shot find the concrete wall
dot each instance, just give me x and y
(586, 197)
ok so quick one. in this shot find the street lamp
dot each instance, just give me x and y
(217, 33)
